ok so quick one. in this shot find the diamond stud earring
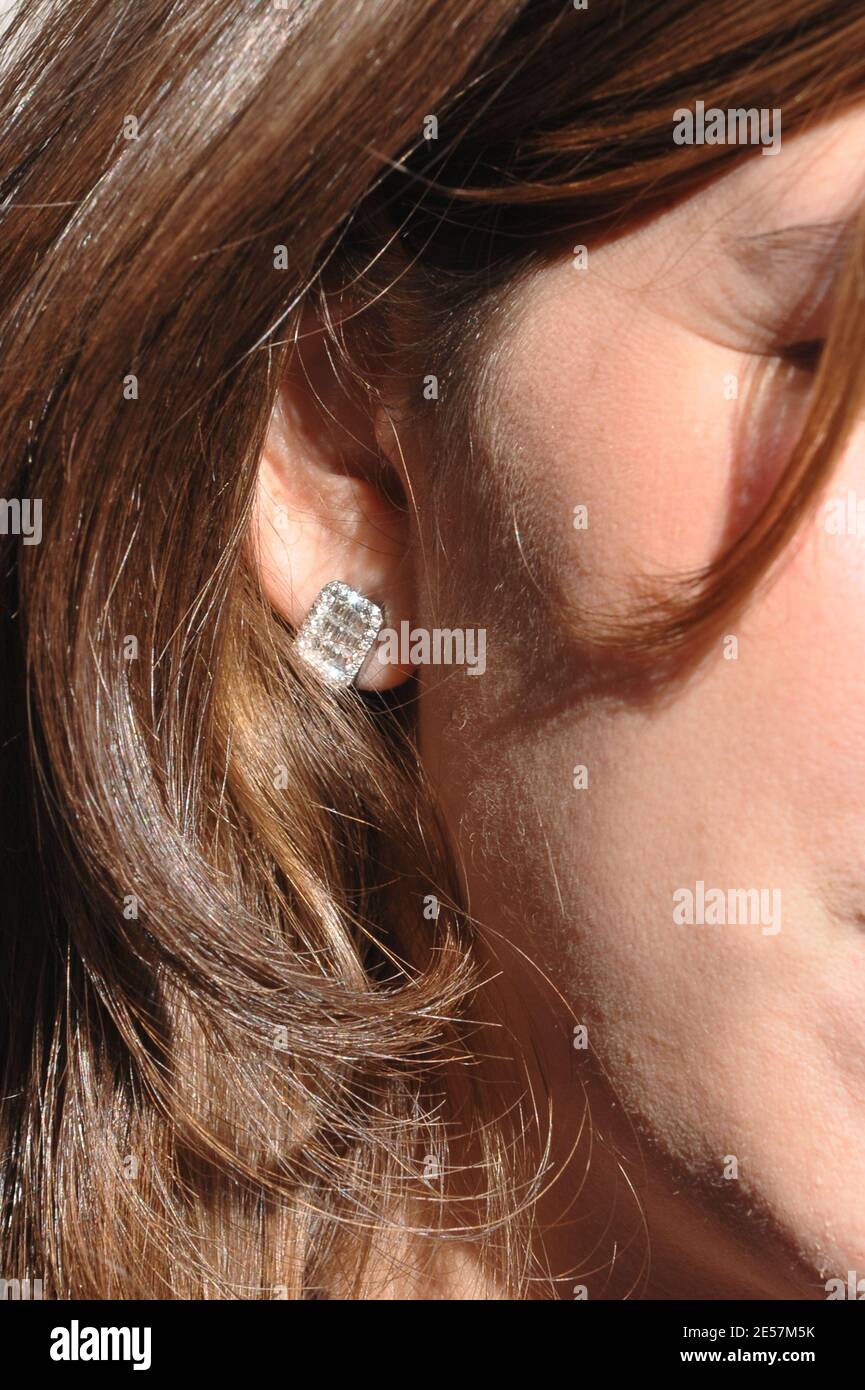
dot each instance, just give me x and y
(338, 632)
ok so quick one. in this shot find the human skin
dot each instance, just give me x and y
(610, 387)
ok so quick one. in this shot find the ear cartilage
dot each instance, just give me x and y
(338, 632)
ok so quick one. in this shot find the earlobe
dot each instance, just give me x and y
(326, 511)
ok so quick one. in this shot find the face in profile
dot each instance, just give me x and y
(433, 531)
(677, 847)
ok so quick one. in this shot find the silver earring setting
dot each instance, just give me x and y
(338, 632)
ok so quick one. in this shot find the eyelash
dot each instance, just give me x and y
(805, 355)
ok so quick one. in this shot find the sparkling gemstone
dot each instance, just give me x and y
(338, 632)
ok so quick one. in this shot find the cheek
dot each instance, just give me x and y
(635, 422)
(803, 684)
(750, 776)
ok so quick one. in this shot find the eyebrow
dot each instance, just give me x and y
(794, 267)
(791, 247)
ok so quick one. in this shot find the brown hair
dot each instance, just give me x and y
(233, 1059)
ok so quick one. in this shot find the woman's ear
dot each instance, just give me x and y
(330, 505)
